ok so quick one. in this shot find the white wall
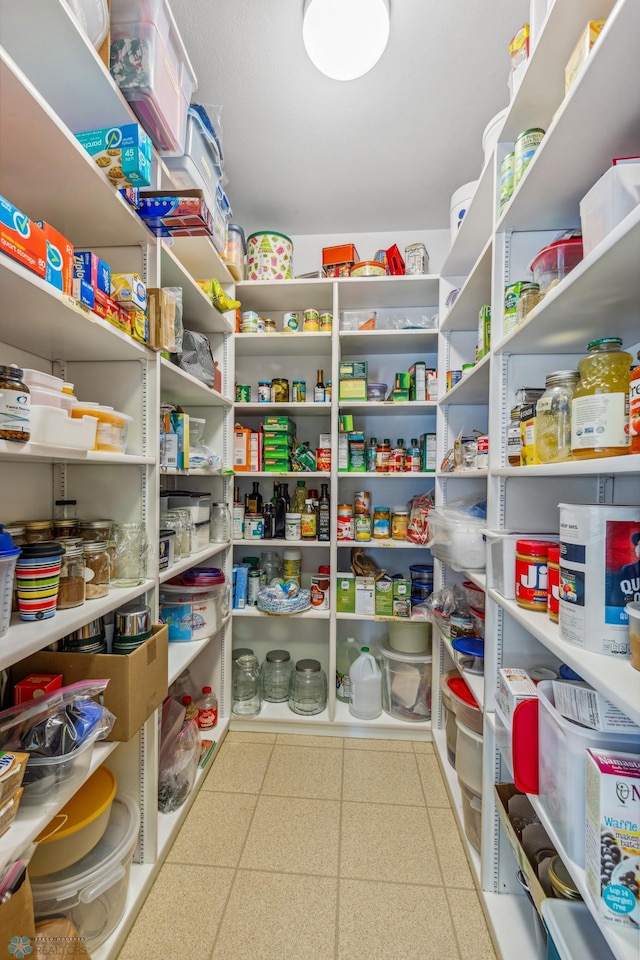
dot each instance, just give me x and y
(307, 248)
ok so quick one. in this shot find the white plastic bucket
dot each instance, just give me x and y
(192, 613)
(469, 758)
(460, 201)
(365, 687)
(491, 133)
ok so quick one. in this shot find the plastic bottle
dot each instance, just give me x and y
(324, 514)
(190, 709)
(309, 528)
(299, 497)
(371, 455)
(397, 459)
(365, 688)
(346, 653)
(207, 709)
(412, 460)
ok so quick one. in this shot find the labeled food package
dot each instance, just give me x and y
(581, 51)
(89, 267)
(167, 214)
(22, 239)
(579, 702)
(514, 686)
(12, 767)
(59, 268)
(122, 153)
(129, 290)
(612, 838)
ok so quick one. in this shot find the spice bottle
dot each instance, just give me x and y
(15, 403)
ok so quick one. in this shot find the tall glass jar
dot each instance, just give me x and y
(98, 565)
(600, 405)
(130, 554)
(553, 417)
(275, 676)
(220, 523)
(308, 688)
(245, 696)
(71, 590)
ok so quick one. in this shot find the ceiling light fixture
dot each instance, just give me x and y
(345, 38)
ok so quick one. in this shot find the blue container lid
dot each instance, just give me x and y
(568, 674)
(7, 546)
(472, 646)
(421, 568)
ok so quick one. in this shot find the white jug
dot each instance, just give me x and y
(365, 693)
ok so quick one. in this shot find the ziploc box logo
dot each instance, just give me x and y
(22, 239)
(122, 153)
(59, 271)
(89, 267)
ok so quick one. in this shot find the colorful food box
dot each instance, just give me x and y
(138, 323)
(22, 239)
(183, 214)
(90, 267)
(346, 593)
(352, 390)
(241, 449)
(128, 290)
(384, 597)
(84, 293)
(395, 261)
(12, 768)
(418, 381)
(59, 269)
(337, 261)
(106, 308)
(519, 47)
(484, 331)
(122, 153)
(581, 51)
(36, 685)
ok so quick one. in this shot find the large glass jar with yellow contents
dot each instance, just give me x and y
(600, 405)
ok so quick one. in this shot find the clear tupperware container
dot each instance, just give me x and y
(406, 684)
(221, 212)
(112, 429)
(93, 17)
(198, 504)
(457, 540)
(150, 65)
(551, 264)
(235, 251)
(47, 778)
(200, 165)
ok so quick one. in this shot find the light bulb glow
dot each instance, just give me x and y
(345, 38)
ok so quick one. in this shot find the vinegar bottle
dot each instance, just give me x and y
(324, 514)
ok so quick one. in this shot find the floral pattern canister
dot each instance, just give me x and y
(269, 256)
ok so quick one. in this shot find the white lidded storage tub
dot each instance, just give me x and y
(472, 816)
(460, 201)
(469, 757)
(192, 612)
(406, 684)
(610, 200)
(562, 748)
(456, 539)
(92, 893)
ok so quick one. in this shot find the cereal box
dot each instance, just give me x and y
(59, 270)
(122, 153)
(21, 238)
(612, 836)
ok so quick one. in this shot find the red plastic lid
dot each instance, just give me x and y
(324, 569)
(477, 613)
(554, 552)
(569, 242)
(533, 547)
(462, 692)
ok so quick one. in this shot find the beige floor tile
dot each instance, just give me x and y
(387, 746)
(308, 740)
(239, 768)
(294, 836)
(470, 927)
(275, 916)
(215, 830)
(378, 840)
(394, 921)
(375, 777)
(249, 736)
(180, 916)
(432, 783)
(453, 860)
(304, 772)
(422, 746)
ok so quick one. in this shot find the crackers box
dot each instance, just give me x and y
(22, 239)
(129, 290)
(581, 51)
(122, 153)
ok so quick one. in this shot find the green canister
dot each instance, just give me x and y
(524, 149)
(243, 393)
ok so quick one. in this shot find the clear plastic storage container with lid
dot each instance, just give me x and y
(551, 264)
(235, 251)
(200, 165)
(150, 65)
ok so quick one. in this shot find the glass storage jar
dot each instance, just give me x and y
(71, 590)
(131, 548)
(63, 529)
(38, 531)
(600, 404)
(275, 676)
(514, 439)
(219, 523)
(97, 572)
(528, 299)
(308, 688)
(553, 417)
(65, 509)
(245, 696)
(96, 529)
(15, 402)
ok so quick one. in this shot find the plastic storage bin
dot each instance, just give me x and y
(93, 17)
(92, 893)
(47, 778)
(192, 613)
(551, 264)
(457, 540)
(562, 746)
(609, 201)
(469, 757)
(572, 931)
(465, 705)
(54, 426)
(200, 165)
(501, 559)
(406, 684)
(150, 65)
(472, 816)
(198, 504)
(235, 251)
(451, 731)
(112, 429)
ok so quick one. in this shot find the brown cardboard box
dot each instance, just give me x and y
(504, 791)
(139, 680)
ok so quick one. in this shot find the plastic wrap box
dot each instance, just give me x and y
(609, 201)
(59, 269)
(22, 239)
(123, 154)
(138, 682)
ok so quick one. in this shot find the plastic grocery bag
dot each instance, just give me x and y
(180, 766)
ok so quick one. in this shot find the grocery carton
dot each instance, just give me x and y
(353, 370)
(106, 308)
(418, 381)
(484, 331)
(139, 323)
(581, 51)
(428, 452)
(346, 593)
(365, 595)
(241, 449)
(352, 390)
(384, 597)
(129, 290)
(88, 266)
(122, 153)
(182, 214)
(514, 686)
(59, 271)
(22, 239)
(582, 704)
(84, 293)
(402, 598)
(12, 768)
(36, 685)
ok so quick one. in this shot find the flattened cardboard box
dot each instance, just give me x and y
(138, 680)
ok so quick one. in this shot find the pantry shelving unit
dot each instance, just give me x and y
(598, 298)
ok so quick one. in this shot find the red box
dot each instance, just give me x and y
(36, 685)
(22, 239)
(395, 263)
(337, 261)
(60, 263)
(106, 308)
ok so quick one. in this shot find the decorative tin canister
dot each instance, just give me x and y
(269, 256)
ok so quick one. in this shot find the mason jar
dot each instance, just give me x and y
(553, 417)
(275, 676)
(220, 523)
(71, 589)
(245, 696)
(308, 688)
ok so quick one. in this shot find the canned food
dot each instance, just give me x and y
(345, 522)
(320, 591)
(279, 390)
(362, 526)
(243, 393)
(506, 179)
(362, 502)
(453, 377)
(323, 459)
(249, 322)
(416, 259)
(310, 320)
(264, 391)
(326, 322)
(524, 149)
(290, 322)
(299, 393)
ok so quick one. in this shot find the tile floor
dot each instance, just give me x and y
(315, 848)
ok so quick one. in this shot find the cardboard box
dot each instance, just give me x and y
(402, 599)
(418, 381)
(183, 214)
(22, 239)
(432, 384)
(36, 685)
(582, 704)
(484, 331)
(514, 686)
(12, 768)
(128, 290)
(357, 453)
(137, 323)
(612, 790)
(87, 266)
(176, 428)
(59, 269)
(428, 451)
(519, 47)
(384, 597)
(106, 308)
(241, 582)
(581, 51)
(353, 370)
(84, 293)
(280, 425)
(400, 396)
(365, 595)
(138, 681)
(122, 153)
(346, 593)
(343, 451)
(352, 390)
(241, 449)
(504, 792)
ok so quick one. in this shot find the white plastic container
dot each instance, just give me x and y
(472, 816)
(198, 505)
(460, 201)
(365, 687)
(469, 757)
(407, 684)
(412, 636)
(47, 778)
(192, 613)
(491, 133)
(54, 426)
(8, 557)
(93, 17)
(562, 747)
(609, 201)
(92, 893)
(451, 730)
(36, 378)
(457, 540)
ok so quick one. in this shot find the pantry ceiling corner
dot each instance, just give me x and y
(306, 154)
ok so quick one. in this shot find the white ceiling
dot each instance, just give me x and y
(305, 154)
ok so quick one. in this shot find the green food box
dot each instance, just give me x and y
(484, 330)
(357, 453)
(400, 396)
(353, 390)
(345, 423)
(418, 380)
(346, 593)
(402, 381)
(353, 370)
(384, 597)
(402, 598)
(279, 424)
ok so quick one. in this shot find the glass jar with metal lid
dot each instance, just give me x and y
(514, 438)
(553, 417)
(562, 885)
(275, 675)
(528, 299)
(98, 566)
(245, 695)
(269, 325)
(96, 529)
(65, 509)
(600, 403)
(279, 390)
(63, 529)
(308, 688)
(71, 591)
(38, 531)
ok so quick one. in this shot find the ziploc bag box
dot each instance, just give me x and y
(59, 269)
(22, 239)
(122, 153)
(92, 269)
